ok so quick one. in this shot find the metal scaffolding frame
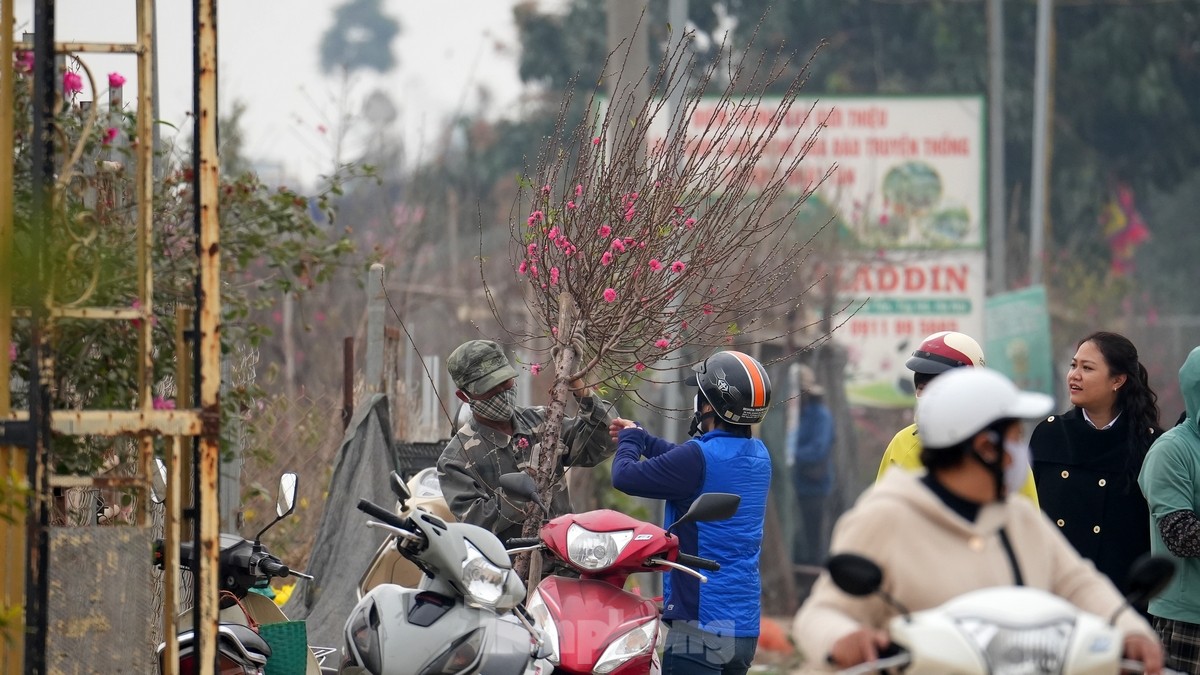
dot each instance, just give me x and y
(25, 435)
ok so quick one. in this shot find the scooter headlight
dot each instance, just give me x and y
(595, 550)
(633, 643)
(540, 613)
(484, 581)
(1029, 650)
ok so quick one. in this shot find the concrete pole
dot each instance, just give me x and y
(375, 301)
(997, 234)
(631, 55)
(1041, 145)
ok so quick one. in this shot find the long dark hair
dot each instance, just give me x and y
(1135, 398)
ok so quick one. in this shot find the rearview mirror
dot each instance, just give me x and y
(398, 487)
(158, 482)
(854, 574)
(287, 495)
(1147, 577)
(710, 506)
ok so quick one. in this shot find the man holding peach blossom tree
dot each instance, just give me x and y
(499, 437)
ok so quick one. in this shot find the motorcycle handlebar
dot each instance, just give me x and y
(273, 569)
(381, 513)
(517, 542)
(698, 562)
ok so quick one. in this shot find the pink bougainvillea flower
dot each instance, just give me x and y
(571, 205)
(110, 134)
(618, 245)
(523, 442)
(689, 223)
(116, 80)
(662, 343)
(639, 366)
(553, 276)
(72, 83)
(532, 249)
(607, 258)
(655, 264)
(604, 231)
(535, 368)
(678, 266)
(161, 403)
(610, 295)
(579, 190)
(596, 140)
(523, 267)
(553, 233)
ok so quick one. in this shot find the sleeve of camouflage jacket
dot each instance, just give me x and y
(586, 435)
(468, 499)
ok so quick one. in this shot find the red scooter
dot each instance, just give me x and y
(592, 624)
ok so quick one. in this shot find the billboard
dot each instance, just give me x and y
(1018, 338)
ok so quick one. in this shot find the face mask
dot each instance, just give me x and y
(1018, 470)
(498, 408)
(694, 429)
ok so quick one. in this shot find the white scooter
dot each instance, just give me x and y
(462, 617)
(1001, 630)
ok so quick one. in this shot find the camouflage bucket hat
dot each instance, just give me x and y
(479, 365)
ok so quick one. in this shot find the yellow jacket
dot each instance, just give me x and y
(905, 451)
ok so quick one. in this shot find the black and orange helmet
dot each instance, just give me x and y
(736, 385)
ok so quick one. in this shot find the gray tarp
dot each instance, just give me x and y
(344, 544)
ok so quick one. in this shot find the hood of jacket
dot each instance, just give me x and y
(1189, 384)
(905, 490)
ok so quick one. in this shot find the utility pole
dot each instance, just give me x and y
(997, 233)
(629, 85)
(1042, 105)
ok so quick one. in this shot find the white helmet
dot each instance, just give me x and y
(963, 401)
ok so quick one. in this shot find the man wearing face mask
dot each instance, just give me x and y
(499, 436)
(713, 627)
(954, 529)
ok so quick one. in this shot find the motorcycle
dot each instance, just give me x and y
(243, 565)
(462, 617)
(592, 624)
(999, 630)
(388, 566)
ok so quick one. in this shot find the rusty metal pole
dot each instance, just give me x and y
(13, 458)
(207, 176)
(144, 158)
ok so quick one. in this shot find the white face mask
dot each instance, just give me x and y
(1018, 470)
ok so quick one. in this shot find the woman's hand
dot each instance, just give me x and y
(617, 425)
(1146, 649)
(858, 647)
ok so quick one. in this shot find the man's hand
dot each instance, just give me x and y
(1146, 649)
(579, 388)
(858, 647)
(617, 425)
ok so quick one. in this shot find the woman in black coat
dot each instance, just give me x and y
(1086, 461)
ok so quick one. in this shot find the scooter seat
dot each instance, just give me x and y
(251, 642)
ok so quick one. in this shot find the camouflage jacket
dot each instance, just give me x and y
(473, 461)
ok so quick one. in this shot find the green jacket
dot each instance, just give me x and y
(473, 461)
(1170, 479)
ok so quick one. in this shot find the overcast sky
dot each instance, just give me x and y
(268, 59)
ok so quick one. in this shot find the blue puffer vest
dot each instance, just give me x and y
(729, 604)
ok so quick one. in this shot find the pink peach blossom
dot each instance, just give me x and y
(639, 366)
(570, 204)
(610, 295)
(523, 267)
(596, 140)
(607, 258)
(655, 264)
(604, 231)
(545, 189)
(553, 233)
(662, 343)
(72, 83)
(708, 309)
(535, 368)
(532, 249)
(523, 443)
(689, 223)
(677, 267)
(618, 245)
(579, 190)
(553, 276)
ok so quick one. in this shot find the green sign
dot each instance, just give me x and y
(1017, 330)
